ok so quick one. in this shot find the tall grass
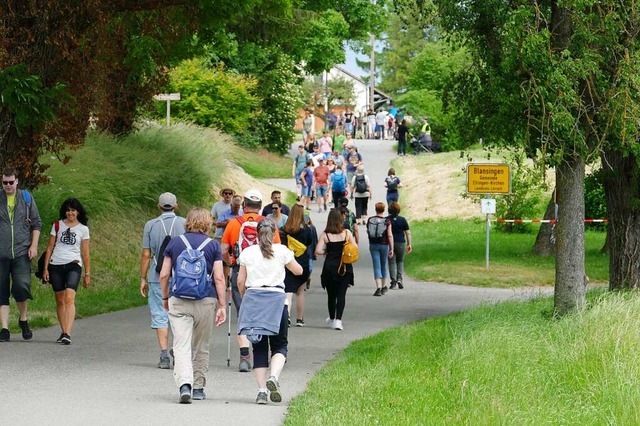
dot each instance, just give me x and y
(505, 364)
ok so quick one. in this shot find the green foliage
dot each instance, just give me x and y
(339, 91)
(595, 203)
(213, 97)
(321, 43)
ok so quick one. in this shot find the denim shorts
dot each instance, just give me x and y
(65, 276)
(321, 190)
(306, 191)
(159, 317)
(15, 279)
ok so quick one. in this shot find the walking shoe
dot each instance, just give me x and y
(5, 336)
(185, 394)
(378, 292)
(300, 323)
(319, 209)
(329, 322)
(325, 207)
(66, 339)
(261, 399)
(289, 322)
(245, 364)
(400, 286)
(59, 339)
(26, 331)
(274, 389)
(385, 289)
(392, 286)
(199, 395)
(165, 363)
(338, 325)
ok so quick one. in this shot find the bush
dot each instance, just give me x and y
(595, 203)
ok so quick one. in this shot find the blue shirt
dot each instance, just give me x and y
(398, 227)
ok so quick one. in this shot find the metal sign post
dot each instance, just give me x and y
(168, 97)
(488, 207)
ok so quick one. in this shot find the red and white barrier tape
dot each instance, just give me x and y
(545, 221)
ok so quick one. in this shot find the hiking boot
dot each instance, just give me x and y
(274, 389)
(329, 322)
(384, 290)
(245, 364)
(185, 394)
(59, 339)
(66, 340)
(337, 325)
(392, 286)
(378, 292)
(26, 331)
(300, 323)
(5, 336)
(165, 363)
(400, 286)
(261, 399)
(199, 395)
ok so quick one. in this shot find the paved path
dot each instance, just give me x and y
(109, 375)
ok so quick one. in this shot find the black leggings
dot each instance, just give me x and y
(361, 206)
(278, 343)
(336, 298)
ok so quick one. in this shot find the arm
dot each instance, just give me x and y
(221, 288)
(33, 248)
(321, 246)
(294, 267)
(356, 234)
(145, 260)
(225, 253)
(165, 273)
(390, 239)
(242, 279)
(86, 261)
(47, 257)
(407, 234)
(293, 168)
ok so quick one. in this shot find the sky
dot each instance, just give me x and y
(351, 66)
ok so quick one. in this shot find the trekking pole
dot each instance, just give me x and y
(229, 321)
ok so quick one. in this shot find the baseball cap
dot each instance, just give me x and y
(167, 200)
(253, 195)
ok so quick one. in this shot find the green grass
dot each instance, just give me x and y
(119, 181)
(453, 251)
(505, 364)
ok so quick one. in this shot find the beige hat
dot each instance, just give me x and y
(167, 200)
(223, 190)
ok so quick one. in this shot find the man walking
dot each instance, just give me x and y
(155, 231)
(20, 227)
(219, 208)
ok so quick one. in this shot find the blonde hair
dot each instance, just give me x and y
(198, 221)
(266, 229)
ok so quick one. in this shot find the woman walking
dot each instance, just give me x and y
(333, 281)
(261, 283)
(401, 242)
(67, 252)
(380, 247)
(190, 318)
(297, 229)
(361, 190)
(392, 183)
(278, 217)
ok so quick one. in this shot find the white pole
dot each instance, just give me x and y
(488, 232)
(168, 112)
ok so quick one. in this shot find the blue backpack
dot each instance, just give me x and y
(190, 277)
(338, 182)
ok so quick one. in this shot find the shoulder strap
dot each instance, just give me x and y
(204, 244)
(186, 242)
(27, 196)
(56, 225)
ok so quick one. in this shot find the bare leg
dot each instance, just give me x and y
(61, 310)
(163, 338)
(299, 303)
(277, 364)
(70, 309)
(22, 307)
(4, 316)
(261, 377)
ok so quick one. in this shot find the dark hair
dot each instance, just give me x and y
(392, 171)
(343, 201)
(73, 204)
(334, 222)
(394, 208)
(275, 192)
(10, 171)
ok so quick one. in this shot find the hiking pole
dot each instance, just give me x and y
(229, 321)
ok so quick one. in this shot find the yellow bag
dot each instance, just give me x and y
(350, 254)
(295, 246)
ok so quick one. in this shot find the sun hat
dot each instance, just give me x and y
(223, 190)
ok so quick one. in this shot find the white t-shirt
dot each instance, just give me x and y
(266, 274)
(67, 248)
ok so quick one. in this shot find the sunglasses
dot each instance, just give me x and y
(8, 182)
(227, 193)
(275, 208)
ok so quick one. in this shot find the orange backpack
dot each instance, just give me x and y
(350, 255)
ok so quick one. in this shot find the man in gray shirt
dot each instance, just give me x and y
(219, 208)
(155, 231)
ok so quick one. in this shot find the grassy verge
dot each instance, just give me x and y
(504, 364)
(453, 251)
(118, 181)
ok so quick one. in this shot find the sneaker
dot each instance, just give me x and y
(165, 363)
(385, 289)
(392, 286)
(59, 339)
(319, 209)
(26, 331)
(400, 286)
(329, 322)
(66, 339)
(300, 323)
(185, 394)
(274, 389)
(5, 336)
(261, 399)
(378, 292)
(325, 207)
(338, 325)
(289, 322)
(199, 395)
(245, 365)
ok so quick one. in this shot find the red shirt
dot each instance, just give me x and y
(321, 174)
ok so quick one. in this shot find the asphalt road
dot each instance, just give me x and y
(109, 376)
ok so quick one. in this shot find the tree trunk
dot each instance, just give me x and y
(545, 244)
(621, 180)
(571, 283)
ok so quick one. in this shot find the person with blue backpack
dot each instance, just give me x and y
(338, 184)
(195, 262)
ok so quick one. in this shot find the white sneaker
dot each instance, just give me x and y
(330, 323)
(337, 324)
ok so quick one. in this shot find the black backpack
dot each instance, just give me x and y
(392, 183)
(361, 184)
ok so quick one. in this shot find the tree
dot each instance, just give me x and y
(339, 92)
